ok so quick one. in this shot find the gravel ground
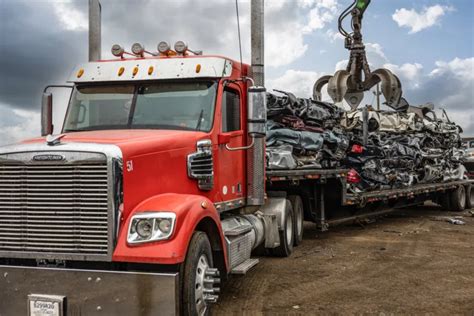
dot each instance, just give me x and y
(410, 262)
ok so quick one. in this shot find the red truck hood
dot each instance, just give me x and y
(135, 142)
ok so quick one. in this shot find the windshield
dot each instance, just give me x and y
(166, 105)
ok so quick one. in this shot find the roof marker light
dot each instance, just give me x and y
(80, 73)
(150, 70)
(117, 51)
(121, 71)
(180, 47)
(198, 68)
(135, 71)
(138, 50)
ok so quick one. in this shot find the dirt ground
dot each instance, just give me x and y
(410, 262)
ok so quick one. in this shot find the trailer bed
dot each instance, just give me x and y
(408, 192)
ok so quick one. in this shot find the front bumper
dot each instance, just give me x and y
(89, 292)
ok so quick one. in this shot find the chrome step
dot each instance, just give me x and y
(245, 266)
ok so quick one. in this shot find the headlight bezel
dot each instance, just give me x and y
(155, 217)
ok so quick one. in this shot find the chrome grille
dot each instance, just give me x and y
(55, 208)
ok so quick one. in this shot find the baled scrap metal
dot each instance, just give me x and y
(309, 127)
(402, 148)
(415, 149)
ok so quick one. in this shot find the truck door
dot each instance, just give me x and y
(231, 168)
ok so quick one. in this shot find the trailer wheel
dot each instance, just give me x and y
(298, 213)
(458, 199)
(197, 292)
(286, 234)
(468, 197)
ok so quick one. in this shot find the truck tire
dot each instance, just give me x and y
(286, 234)
(468, 197)
(458, 199)
(298, 218)
(198, 261)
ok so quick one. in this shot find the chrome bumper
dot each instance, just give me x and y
(89, 292)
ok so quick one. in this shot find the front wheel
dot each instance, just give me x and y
(199, 277)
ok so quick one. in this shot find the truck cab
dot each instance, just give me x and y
(150, 193)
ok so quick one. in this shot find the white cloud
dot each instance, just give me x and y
(70, 17)
(341, 65)
(463, 68)
(334, 36)
(418, 21)
(409, 74)
(17, 124)
(284, 46)
(285, 42)
(298, 82)
(323, 12)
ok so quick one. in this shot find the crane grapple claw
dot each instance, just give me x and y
(318, 86)
(354, 99)
(391, 87)
(338, 85)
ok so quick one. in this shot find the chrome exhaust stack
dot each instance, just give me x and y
(257, 109)
(95, 35)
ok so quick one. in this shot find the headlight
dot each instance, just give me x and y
(151, 226)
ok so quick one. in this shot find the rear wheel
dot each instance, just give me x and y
(286, 234)
(298, 216)
(458, 199)
(468, 197)
(198, 291)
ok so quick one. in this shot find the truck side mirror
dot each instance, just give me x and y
(257, 111)
(47, 114)
(256, 117)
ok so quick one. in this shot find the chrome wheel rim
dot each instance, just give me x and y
(299, 224)
(289, 230)
(462, 198)
(200, 285)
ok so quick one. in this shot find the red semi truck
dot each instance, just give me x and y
(155, 190)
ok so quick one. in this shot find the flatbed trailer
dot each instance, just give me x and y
(328, 201)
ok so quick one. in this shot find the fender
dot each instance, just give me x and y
(189, 210)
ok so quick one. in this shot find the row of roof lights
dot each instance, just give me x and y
(164, 49)
(135, 70)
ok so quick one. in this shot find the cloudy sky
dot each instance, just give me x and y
(429, 44)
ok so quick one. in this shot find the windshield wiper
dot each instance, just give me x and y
(200, 120)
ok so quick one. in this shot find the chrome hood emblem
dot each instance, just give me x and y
(49, 158)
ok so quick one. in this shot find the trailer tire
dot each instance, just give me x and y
(458, 199)
(468, 197)
(286, 234)
(298, 218)
(198, 257)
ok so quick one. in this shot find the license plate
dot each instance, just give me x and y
(45, 305)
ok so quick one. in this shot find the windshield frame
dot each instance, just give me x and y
(136, 85)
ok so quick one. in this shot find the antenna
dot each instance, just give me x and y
(238, 30)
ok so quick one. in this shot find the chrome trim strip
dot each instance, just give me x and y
(229, 205)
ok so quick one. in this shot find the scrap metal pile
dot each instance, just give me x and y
(396, 149)
(381, 149)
